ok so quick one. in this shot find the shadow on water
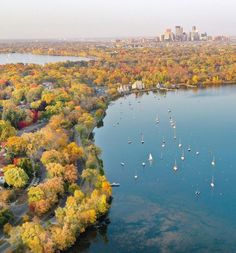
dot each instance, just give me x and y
(90, 236)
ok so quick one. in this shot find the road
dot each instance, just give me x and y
(32, 128)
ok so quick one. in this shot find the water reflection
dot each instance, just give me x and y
(91, 236)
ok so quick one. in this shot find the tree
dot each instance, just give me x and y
(6, 130)
(5, 216)
(71, 173)
(13, 114)
(36, 238)
(52, 156)
(73, 152)
(63, 237)
(55, 170)
(15, 176)
(16, 145)
(42, 197)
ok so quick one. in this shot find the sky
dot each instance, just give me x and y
(68, 19)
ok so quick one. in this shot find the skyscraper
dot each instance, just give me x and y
(179, 33)
(194, 35)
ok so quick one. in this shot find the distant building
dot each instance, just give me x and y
(194, 35)
(138, 85)
(179, 33)
(203, 37)
(48, 85)
(169, 35)
(221, 38)
(123, 89)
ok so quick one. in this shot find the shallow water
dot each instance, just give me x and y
(159, 212)
(36, 59)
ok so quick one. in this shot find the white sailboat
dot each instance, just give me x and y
(180, 144)
(157, 120)
(213, 163)
(150, 158)
(175, 168)
(212, 182)
(197, 152)
(129, 141)
(135, 176)
(189, 148)
(143, 164)
(182, 156)
(163, 142)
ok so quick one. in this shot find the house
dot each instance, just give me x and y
(123, 89)
(160, 86)
(48, 85)
(138, 85)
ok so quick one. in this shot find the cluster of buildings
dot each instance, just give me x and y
(180, 35)
(176, 35)
(137, 85)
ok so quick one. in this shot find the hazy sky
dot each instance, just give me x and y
(112, 18)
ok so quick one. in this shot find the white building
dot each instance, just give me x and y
(138, 85)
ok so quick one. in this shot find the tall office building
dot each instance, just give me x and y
(194, 35)
(169, 35)
(178, 33)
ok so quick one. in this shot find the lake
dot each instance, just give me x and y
(37, 59)
(160, 210)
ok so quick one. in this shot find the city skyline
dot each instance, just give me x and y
(103, 18)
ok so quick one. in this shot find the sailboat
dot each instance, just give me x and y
(197, 193)
(175, 168)
(197, 152)
(212, 182)
(150, 158)
(180, 144)
(142, 139)
(213, 163)
(143, 164)
(122, 164)
(182, 156)
(135, 176)
(189, 148)
(129, 141)
(163, 142)
(157, 120)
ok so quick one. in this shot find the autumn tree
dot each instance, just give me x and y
(15, 176)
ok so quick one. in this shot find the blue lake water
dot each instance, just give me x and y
(159, 212)
(37, 59)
